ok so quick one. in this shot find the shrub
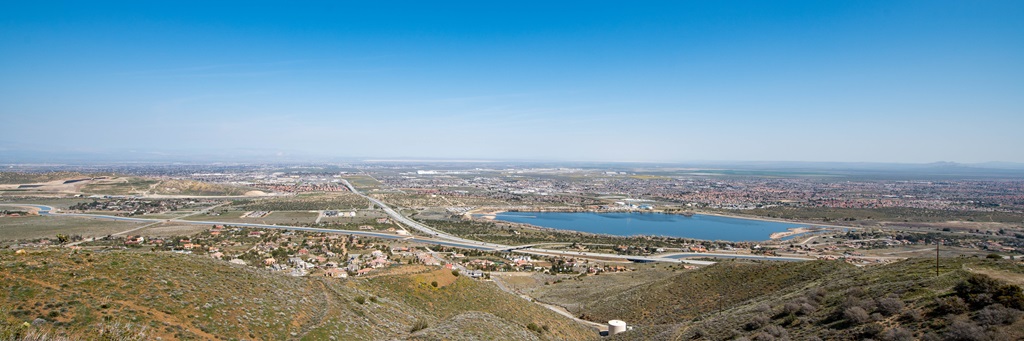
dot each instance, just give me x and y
(807, 309)
(776, 331)
(897, 334)
(856, 315)
(872, 330)
(791, 308)
(418, 326)
(696, 333)
(1011, 296)
(855, 292)
(757, 322)
(997, 314)
(433, 284)
(817, 295)
(361, 300)
(455, 273)
(866, 304)
(124, 331)
(534, 328)
(890, 305)
(951, 305)
(912, 315)
(980, 291)
(966, 331)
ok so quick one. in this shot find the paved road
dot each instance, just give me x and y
(421, 227)
(436, 237)
(730, 255)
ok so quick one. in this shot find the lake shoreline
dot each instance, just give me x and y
(654, 224)
(491, 214)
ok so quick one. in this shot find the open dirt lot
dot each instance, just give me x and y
(276, 217)
(32, 227)
(167, 230)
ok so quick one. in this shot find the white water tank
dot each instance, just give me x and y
(616, 326)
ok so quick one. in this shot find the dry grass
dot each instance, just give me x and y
(194, 297)
(163, 230)
(319, 201)
(33, 227)
(30, 178)
(190, 187)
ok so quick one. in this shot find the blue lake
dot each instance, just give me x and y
(706, 227)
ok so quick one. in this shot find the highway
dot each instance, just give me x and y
(730, 255)
(436, 237)
(419, 226)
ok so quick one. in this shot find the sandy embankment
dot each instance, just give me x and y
(792, 231)
(779, 220)
(485, 213)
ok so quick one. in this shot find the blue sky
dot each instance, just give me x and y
(884, 81)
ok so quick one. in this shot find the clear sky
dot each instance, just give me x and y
(886, 81)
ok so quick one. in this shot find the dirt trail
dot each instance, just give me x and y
(1010, 277)
(558, 309)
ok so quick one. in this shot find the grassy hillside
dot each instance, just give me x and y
(457, 295)
(577, 291)
(475, 326)
(687, 295)
(192, 297)
(826, 300)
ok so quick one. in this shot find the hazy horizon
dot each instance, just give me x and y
(808, 81)
(128, 157)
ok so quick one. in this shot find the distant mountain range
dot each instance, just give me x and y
(13, 154)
